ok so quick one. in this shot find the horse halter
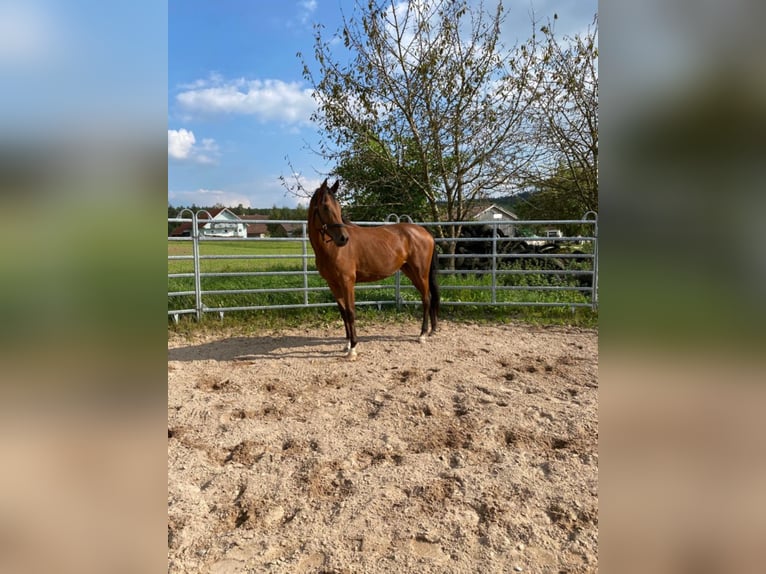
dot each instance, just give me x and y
(325, 226)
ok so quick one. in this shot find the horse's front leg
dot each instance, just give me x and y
(350, 304)
(344, 316)
(344, 297)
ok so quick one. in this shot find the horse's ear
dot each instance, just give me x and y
(334, 187)
(324, 184)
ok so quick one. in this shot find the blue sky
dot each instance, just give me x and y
(238, 105)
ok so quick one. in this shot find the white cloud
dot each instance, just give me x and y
(207, 152)
(182, 146)
(308, 8)
(268, 100)
(180, 143)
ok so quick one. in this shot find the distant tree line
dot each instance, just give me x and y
(273, 212)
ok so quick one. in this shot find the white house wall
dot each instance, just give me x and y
(225, 224)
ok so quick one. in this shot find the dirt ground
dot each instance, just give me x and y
(476, 451)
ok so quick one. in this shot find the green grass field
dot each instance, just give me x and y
(257, 266)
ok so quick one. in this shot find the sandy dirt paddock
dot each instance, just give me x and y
(473, 452)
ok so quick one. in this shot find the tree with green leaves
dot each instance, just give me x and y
(427, 102)
(172, 213)
(555, 197)
(565, 115)
(375, 193)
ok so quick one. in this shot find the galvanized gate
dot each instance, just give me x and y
(480, 265)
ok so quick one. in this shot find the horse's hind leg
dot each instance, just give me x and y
(425, 297)
(421, 284)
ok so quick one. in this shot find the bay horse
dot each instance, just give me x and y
(347, 254)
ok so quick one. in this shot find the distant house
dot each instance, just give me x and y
(292, 229)
(222, 223)
(495, 213)
(256, 226)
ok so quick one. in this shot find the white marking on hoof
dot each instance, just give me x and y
(351, 355)
(422, 338)
(348, 345)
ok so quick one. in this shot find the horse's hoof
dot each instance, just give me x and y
(348, 346)
(422, 338)
(351, 355)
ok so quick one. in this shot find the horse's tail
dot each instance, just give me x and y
(433, 288)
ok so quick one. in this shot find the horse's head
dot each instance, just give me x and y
(325, 207)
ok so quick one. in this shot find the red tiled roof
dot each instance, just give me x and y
(254, 229)
(181, 229)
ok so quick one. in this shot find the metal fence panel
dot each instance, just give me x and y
(480, 266)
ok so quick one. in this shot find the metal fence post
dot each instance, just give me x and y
(594, 296)
(305, 265)
(394, 218)
(197, 280)
(494, 262)
(594, 287)
(398, 290)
